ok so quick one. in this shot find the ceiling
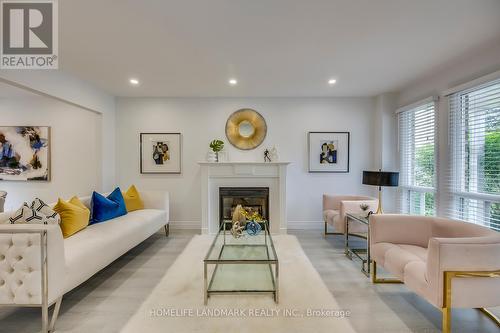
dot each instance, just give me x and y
(187, 48)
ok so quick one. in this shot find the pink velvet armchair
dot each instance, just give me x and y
(335, 208)
(449, 263)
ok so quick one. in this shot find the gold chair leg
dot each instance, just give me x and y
(490, 315)
(446, 322)
(375, 279)
(331, 233)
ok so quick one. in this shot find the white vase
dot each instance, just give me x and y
(211, 156)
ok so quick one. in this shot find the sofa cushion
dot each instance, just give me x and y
(414, 278)
(46, 210)
(419, 251)
(395, 257)
(99, 244)
(133, 199)
(29, 215)
(107, 208)
(74, 217)
(378, 250)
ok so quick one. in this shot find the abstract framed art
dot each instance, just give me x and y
(25, 153)
(329, 152)
(160, 153)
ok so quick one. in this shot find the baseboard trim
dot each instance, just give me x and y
(306, 225)
(185, 225)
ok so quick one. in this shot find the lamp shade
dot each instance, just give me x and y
(380, 178)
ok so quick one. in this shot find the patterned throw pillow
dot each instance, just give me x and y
(30, 215)
(42, 207)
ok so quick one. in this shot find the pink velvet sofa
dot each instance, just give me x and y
(335, 208)
(449, 263)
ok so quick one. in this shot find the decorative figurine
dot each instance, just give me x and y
(237, 230)
(253, 228)
(239, 221)
(267, 158)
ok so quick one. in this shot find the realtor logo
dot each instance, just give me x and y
(29, 34)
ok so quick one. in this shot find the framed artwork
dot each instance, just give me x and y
(328, 151)
(160, 153)
(25, 153)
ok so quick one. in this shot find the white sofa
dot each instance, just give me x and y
(38, 266)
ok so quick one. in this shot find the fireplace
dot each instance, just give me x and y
(252, 199)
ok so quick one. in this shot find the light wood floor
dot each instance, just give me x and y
(107, 300)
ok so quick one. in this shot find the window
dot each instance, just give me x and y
(417, 154)
(475, 155)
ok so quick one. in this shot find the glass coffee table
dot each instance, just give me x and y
(244, 265)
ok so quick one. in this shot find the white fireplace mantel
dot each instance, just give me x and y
(243, 174)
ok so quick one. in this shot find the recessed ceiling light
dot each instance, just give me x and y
(134, 81)
(332, 81)
(233, 82)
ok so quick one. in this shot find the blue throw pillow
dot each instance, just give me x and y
(106, 208)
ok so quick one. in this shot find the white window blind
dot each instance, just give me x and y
(474, 178)
(417, 152)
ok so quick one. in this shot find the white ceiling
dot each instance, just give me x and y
(273, 47)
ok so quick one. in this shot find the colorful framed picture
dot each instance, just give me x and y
(328, 151)
(25, 153)
(160, 153)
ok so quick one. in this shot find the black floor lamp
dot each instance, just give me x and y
(380, 178)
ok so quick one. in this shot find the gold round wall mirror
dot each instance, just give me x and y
(246, 129)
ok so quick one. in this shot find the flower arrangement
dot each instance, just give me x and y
(364, 206)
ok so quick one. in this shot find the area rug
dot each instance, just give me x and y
(176, 304)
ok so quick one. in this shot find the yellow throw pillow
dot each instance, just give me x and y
(75, 201)
(132, 199)
(74, 216)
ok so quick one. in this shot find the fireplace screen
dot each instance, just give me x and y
(252, 199)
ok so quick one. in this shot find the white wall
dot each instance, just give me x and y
(70, 89)
(75, 148)
(463, 69)
(386, 141)
(288, 119)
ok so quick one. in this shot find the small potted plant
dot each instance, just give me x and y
(216, 146)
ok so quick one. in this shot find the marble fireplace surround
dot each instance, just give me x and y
(243, 174)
